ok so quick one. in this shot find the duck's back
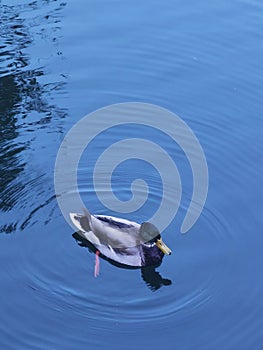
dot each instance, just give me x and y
(113, 237)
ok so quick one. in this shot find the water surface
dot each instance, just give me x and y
(61, 60)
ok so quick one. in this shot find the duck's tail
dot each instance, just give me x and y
(82, 222)
(87, 214)
(85, 220)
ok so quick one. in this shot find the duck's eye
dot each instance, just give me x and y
(146, 237)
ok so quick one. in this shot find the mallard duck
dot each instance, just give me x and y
(122, 241)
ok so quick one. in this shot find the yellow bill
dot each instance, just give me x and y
(163, 247)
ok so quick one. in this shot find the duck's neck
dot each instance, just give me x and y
(151, 255)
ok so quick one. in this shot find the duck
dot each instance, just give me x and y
(121, 241)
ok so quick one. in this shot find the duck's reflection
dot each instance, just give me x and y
(151, 277)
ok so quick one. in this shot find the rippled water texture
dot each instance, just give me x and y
(62, 60)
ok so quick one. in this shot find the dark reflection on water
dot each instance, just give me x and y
(25, 107)
(11, 166)
(151, 277)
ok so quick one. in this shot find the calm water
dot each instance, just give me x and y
(201, 60)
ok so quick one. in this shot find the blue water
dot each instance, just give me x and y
(62, 60)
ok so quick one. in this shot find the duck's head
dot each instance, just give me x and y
(150, 234)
